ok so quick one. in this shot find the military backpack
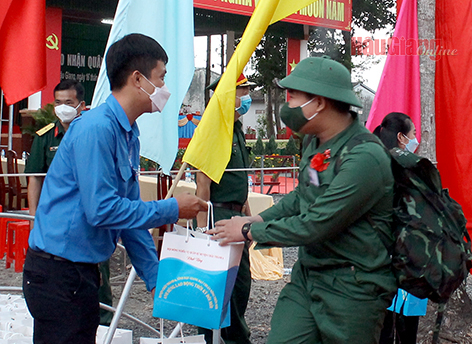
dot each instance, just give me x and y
(431, 255)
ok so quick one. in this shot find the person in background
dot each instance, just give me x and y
(68, 104)
(398, 131)
(342, 282)
(90, 199)
(229, 198)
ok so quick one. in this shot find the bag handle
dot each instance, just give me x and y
(179, 325)
(189, 224)
(210, 217)
(210, 220)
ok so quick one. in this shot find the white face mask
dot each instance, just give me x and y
(314, 115)
(66, 113)
(159, 97)
(412, 144)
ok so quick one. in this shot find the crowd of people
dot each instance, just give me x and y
(342, 282)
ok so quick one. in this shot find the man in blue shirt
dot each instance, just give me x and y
(91, 198)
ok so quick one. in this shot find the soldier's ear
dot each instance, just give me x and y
(82, 106)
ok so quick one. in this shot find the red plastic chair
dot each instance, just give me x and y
(14, 184)
(17, 243)
(3, 233)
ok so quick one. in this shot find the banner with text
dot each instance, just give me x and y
(83, 48)
(325, 13)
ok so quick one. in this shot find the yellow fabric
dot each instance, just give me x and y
(210, 148)
(267, 264)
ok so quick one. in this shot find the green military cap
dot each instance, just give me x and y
(323, 77)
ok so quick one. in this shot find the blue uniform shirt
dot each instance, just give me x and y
(90, 197)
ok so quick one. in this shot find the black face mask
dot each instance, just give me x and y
(293, 117)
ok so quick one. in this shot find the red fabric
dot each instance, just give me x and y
(53, 53)
(183, 143)
(189, 117)
(400, 88)
(454, 100)
(16, 129)
(241, 80)
(399, 5)
(22, 48)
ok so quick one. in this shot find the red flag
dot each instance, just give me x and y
(399, 89)
(453, 100)
(22, 48)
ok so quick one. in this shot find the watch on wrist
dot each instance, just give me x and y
(245, 230)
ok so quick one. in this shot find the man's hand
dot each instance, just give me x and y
(190, 205)
(229, 231)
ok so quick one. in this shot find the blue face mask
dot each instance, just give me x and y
(412, 144)
(245, 104)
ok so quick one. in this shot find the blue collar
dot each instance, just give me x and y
(120, 115)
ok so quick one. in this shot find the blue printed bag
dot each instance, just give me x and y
(195, 279)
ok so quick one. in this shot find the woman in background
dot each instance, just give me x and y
(398, 131)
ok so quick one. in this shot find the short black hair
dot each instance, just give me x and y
(132, 52)
(392, 124)
(70, 84)
(340, 106)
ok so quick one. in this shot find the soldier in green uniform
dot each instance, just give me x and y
(229, 199)
(68, 104)
(339, 216)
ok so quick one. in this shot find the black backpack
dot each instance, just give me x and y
(431, 254)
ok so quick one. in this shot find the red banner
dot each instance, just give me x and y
(53, 53)
(22, 52)
(326, 13)
(453, 101)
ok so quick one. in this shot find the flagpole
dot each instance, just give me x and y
(177, 179)
(10, 128)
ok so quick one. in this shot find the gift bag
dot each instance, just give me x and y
(196, 278)
(412, 306)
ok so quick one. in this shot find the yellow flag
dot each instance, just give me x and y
(210, 148)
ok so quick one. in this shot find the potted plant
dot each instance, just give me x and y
(282, 134)
(250, 133)
(258, 177)
(146, 164)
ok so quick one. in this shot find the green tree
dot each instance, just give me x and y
(42, 117)
(271, 146)
(370, 15)
(269, 62)
(291, 148)
(258, 147)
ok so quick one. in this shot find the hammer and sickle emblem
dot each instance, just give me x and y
(54, 42)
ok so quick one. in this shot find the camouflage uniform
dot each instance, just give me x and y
(341, 284)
